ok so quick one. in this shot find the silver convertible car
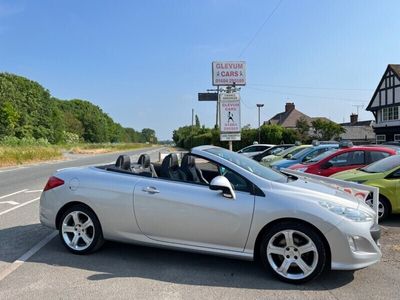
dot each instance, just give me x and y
(217, 202)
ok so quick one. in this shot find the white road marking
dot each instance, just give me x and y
(33, 191)
(16, 264)
(9, 202)
(14, 169)
(18, 206)
(21, 191)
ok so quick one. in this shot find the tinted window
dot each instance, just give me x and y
(348, 159)
(377, 155)
(383, 165)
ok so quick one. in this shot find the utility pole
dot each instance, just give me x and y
(259, 131)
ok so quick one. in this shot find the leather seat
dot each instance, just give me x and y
(123, 162)
(145, 167)
(170, 168)
(192, 172)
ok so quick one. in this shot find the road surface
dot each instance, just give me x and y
(35, 265)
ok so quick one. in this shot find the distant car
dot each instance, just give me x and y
(271, 151)
(384, 174)
(334, 161)
(303, 156)
(254, 149)
(286, 154)
(217, 202)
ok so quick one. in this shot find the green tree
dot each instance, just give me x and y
(149, 135)
(8, 119)
(197, 121)
(326, 130)
(303, 128)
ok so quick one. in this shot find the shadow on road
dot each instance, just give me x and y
(117, 260)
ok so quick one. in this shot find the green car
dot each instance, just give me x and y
(384, 174)
(288, 153)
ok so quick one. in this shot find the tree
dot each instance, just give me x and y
(197, 121)
(303, 128)
(149, 135)
(326, 130)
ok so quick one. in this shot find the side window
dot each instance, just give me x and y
(237, 181)
(340, 160)
(209, 170)
(376, 155)
(249, 149)
(356, 158)
(396, 174)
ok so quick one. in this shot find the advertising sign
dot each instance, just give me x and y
(229, 110)
(228, 73)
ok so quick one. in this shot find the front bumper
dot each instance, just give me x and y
(354, 245)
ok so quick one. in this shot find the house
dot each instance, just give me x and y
(289, 117)
(359, 132)
(385, 104)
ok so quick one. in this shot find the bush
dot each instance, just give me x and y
(13, 141)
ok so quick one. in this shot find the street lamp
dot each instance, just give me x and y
(259, 107)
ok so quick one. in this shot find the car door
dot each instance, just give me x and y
(345, 161)
(192, 214)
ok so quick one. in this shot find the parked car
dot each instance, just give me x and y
(303, 156)
(271, 151)
(334, 161)
(254, 149)
(217, 202)
(384, 174)
(286, 154)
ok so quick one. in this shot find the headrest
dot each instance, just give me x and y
(170, 161)
(188, 161)
(144, 160)
(123, 162)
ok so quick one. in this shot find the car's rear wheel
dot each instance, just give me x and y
(383, 207)
(80, 230)
(294, 252)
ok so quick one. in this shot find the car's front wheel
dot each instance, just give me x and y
(383, 207)
(80, 230)
(294, 252)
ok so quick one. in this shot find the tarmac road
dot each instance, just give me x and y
(35, 265)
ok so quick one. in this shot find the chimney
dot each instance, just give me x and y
(289, 107)
(353, 118)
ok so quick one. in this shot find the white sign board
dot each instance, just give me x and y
(229, 112)
(229, 73)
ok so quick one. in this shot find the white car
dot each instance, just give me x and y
(216, 202)
(254, 149)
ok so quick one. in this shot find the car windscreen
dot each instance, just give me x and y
(321, 156)
(383, 165)
(300, 154)
(248, 164)
(292, 151)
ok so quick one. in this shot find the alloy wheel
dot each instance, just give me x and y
(292, 254)
(78, 230)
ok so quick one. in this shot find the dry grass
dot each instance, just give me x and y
(105, 148)
(11, 156)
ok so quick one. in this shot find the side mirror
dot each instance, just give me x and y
(221, 183)
(289, 155)
(326, 165)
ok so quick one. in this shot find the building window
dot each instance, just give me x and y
(390, 113)
(397, 137)
(380, 138)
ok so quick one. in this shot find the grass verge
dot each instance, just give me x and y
(11, 156)
(104, 148)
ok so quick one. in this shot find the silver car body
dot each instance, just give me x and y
(192, 217)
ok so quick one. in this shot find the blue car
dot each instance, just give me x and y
(302, 156)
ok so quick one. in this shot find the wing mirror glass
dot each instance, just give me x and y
(221, 183)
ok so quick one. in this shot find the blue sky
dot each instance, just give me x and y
(144, 62)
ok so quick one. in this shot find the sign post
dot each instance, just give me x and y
(229, 110)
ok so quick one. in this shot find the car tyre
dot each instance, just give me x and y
(384, 207)
(80, 230)
(293, 251)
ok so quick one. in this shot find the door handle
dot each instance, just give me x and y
(151, 190)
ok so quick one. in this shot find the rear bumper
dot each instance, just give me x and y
(47, 211)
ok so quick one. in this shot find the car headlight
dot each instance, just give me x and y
(355, 215)
(301, 169)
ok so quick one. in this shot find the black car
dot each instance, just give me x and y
(273, 150)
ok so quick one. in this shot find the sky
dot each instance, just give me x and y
(143, 62)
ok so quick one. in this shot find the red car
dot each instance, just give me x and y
(335, 161)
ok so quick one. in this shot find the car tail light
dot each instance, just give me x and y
(52, 183)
